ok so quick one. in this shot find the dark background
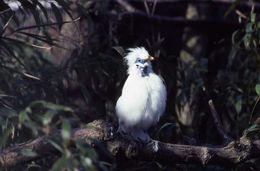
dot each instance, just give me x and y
(205, 49)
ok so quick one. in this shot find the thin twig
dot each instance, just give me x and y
(251, 115)
(147, 8)
(154, 6)
(218, 123)
(43, 25)
(2, 12)
(7, 24)
(128, 7)
(182, 20)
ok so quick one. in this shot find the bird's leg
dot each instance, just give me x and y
(127, 135)
(123, 133)
(121, 128)
(145, 138)
(133, 133)
(141, 136)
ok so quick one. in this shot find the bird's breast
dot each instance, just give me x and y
(142, 100)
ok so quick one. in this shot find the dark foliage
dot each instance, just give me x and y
(61, 66)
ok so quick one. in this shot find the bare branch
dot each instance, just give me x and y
(244, 3)
(218, 123)
(231, 154)
(128, 7)
(132, 11)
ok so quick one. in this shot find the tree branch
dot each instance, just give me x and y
(231, 154)
(133, 11)
(218, 123)
(244, 3)
(128, 7)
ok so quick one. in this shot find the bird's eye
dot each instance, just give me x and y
(138, 60)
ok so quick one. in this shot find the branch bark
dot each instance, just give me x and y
(231, 154)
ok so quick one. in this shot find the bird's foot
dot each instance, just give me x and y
(141, 136)
(145, 140)
(125, 135)
(138, 136)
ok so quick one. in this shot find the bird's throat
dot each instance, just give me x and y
(144, 72)
(139, 71)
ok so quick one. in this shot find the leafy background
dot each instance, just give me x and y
(62, 67)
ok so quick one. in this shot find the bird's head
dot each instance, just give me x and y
(139, 61)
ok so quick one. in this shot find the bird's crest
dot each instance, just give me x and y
(135, 53)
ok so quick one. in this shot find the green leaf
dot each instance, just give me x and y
(238, 105)
(65, 7)
(104, 165)
(232, 7)
(87, 163)
(50, 105)
(42, 8)
(57, 14)
(257, 89)
(253, 17)
(88, 4)
(47, 117)
(28, 152)
(85, 150)
(81, 147)
(9, 50)
(252, 130)
(60, 164)
(4, 137)
(56, 145)
(36, 16)
(234, 36)
(249, 28)
(258, 25)
(32, 126)
(23, 116)
(65, 132)
(119, 50)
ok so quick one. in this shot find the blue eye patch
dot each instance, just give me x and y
(138, 60)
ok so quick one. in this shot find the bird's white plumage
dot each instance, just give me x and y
(143, 98)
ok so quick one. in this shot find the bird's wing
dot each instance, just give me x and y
(132, 104)
(158, 96)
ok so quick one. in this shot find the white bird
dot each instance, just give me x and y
(143, 98)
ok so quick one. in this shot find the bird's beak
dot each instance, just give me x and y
(151, 58)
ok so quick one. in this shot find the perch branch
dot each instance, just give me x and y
(231, 154)
(218, 123)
